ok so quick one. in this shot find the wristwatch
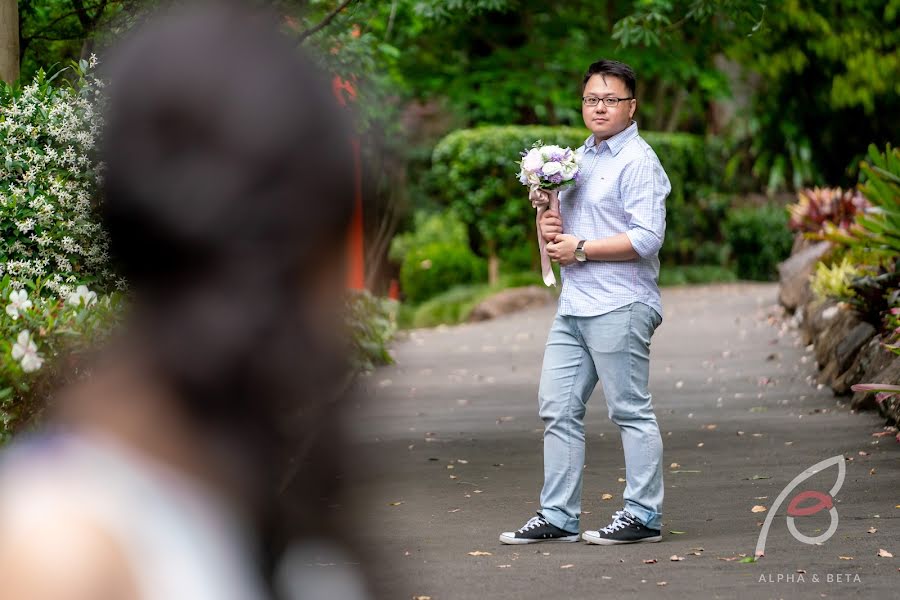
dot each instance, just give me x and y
(580, 256)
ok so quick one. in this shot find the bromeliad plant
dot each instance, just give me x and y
(817, 206)
(878, 227)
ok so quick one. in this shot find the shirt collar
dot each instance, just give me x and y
(616, 142)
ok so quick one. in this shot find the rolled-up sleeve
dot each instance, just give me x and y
(644, 188)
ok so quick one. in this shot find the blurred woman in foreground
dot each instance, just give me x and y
(207, 442)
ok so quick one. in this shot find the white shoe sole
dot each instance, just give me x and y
(601, 541)
(508, 538)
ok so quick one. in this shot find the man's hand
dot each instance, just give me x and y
(563, 249)
(551, 225)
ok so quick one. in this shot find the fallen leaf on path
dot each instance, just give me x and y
(684, 471)
(864, 453)
(421, 597)
(884, 553)
(801, 571)
(462, 462)
(606, 497)
(453, 510)
(566, 566)
(700, 445)
(882, 434)
(621, 480)
(477, 491)
(677, 532)
(674, 466)
(504, 419)
(845, 557)
(729, 559)
(675, 557)
(756, 477)
(650, 561)
(479, 553)
(503, 566)
(695, 553)
(871, 471)
(662, 583)
(748, 559)
(396, 503)
(454, 477)
(450, 466)
(871, 530)
(711, 426)
(698, 549)
(758, 508)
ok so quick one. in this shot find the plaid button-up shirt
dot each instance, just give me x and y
(622, 189)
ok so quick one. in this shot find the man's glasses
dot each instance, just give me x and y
(608, 101)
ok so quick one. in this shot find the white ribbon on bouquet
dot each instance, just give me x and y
(544, 200)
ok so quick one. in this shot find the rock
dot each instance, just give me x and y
(794, 273)
(890, 409)
(849, 347)
(883, 366)
(855, 373)
(817, 315)
(835, 331)
(510, 301)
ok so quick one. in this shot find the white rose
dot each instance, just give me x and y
(550, 151)
(533, 160)
(534, 179)
(568, 171)
(552, 168)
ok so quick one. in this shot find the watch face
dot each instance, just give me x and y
(579, 255)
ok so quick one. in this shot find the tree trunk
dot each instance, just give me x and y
(9, 40)
(672, 123)
(493, 263)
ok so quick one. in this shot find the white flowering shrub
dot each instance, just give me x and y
(49, 229)
(36, 330)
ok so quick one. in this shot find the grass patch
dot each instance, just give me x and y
(456, 304)
(687, 274)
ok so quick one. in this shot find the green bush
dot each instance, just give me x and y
(434, 268)
(49, 227)
(474, 172)
(35, 331)
(429, 228)
(759, 239)
(372, 323)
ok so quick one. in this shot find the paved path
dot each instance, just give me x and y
(452, 448)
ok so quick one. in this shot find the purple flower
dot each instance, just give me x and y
(556, 178)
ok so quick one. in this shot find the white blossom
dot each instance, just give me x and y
(18, 303)
(25, 350)
(82, 293)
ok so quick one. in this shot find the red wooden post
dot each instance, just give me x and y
(345, 92)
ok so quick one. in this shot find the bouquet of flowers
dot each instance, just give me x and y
(545, 170)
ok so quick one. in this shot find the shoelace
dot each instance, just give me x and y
(621, 520)
(532, 523)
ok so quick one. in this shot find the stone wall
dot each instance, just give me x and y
(848, 349)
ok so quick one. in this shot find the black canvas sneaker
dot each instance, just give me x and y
(624, 529)
(538, 529)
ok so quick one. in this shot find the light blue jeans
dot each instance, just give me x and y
(614, 348)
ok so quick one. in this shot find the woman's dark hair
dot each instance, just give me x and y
(227, 195)
(613, 68)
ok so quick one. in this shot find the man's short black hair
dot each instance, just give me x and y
(614, 68)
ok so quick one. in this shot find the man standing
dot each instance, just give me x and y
(607, 241)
